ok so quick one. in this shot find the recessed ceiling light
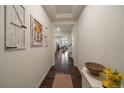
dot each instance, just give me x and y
(58, 29)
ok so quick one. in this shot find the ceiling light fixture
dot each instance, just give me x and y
(58, 29)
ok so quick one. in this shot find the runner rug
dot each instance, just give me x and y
(62, 81)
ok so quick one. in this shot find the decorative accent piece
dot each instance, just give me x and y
(37, 33)
(113, 78)
(14, 27)
(94, 68)
(46, 37)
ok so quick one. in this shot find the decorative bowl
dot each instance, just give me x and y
(94, 68)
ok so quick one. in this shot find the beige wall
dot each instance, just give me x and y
(101, 36)
(25, 68)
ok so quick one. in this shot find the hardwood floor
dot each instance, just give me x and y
(63, 64)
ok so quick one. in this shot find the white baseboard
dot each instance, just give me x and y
(79, 69)
(42, 78)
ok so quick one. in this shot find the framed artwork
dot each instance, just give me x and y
(36, 32)
(14, 27)
(46, 37)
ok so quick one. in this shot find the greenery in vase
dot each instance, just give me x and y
(113, 78)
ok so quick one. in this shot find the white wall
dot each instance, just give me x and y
(75, 44)
(101, 36)
(25, 68)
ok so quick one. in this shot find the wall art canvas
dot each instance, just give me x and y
(46, 37)
(36, 32)
(14, 27)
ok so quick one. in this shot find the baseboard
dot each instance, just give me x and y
(75, 62)
(39, 83)
(79, 69)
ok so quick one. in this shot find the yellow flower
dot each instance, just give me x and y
(114, 77)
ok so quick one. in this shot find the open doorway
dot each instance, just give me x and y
(63, 39)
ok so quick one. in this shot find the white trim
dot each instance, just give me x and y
(75, 63)
(64, 15)
(54, 10)
(74, 9)
(79, 68)
(42, 78)
(64, 23)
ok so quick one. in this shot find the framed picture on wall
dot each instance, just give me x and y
(46, 37)
(36, 32)
(14, 27)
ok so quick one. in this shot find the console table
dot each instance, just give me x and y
(95, 82)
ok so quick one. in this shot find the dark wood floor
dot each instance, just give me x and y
(63, 64)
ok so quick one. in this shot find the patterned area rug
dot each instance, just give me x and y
(62, 81)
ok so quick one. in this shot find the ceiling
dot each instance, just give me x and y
(63, 16)
(63, 28)
(59, 13)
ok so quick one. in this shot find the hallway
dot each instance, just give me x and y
(63, 65)
(29, 39)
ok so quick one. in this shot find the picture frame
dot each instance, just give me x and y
(45, 37)
(14, 27)
(36, 32)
